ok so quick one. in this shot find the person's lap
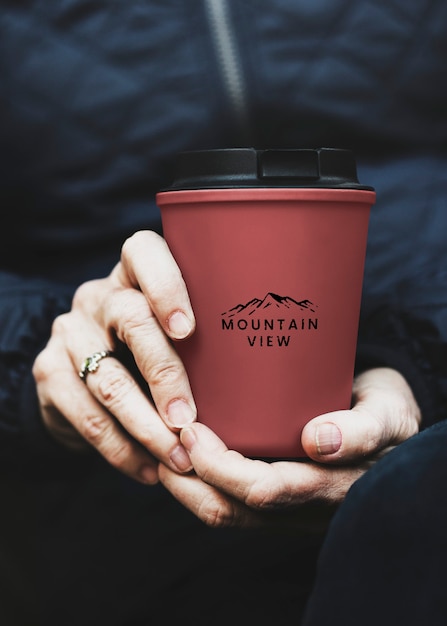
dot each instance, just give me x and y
(86, 546)
(82, 544)
(383, 560)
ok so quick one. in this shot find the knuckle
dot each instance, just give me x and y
(40, 367)
(129, 243)
(137, 239)
(129, 313)
(410, 418)
(165, 374)
(273, 491)
(215, 515)
(61, 324)
(119, 455)
(377, 435)
(84, 292)
(262, 498)
(43, 368)
(135, 322)
(114, 386)
(94, 428)
(147, 438)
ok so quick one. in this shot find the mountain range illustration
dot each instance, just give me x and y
(271, 302)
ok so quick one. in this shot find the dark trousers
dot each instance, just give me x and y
(384, 560)
(81, 545)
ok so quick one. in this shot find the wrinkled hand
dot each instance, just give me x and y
(141, 305)
(228, 489)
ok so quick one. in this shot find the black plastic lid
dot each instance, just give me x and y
(247, 167)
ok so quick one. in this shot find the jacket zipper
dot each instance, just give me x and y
(224, 39)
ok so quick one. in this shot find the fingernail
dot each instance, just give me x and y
(188, 438)
(180, 413)
(327, 438)
(149, 475)
(179, 325)
(180, 459)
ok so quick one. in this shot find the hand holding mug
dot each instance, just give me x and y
(141, 306)
(228, 489)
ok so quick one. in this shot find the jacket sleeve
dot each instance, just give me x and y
(391, 337)
(27, 310)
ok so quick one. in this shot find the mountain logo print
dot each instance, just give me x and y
(269, 304)
(273, 321)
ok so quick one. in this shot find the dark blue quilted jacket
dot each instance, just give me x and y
(97, 96)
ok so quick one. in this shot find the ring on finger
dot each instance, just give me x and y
(91, 363)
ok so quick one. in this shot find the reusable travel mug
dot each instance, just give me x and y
(271, 245)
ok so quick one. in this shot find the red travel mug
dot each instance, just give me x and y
(271, 244)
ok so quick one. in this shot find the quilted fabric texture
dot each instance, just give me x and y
(97, 96)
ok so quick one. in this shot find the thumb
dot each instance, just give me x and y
(384, 413)
(343, 436)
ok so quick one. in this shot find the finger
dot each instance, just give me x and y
(129, 313)
(114, 388)
(147, 263)
(206, 502)
(384, 414)
(71, 399)
(126, 314)
(219, 510)
(263, 486)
